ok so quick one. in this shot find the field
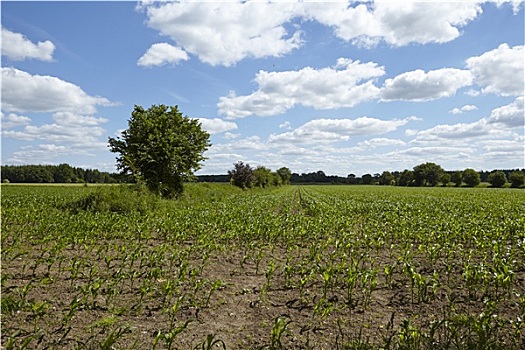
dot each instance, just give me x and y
(298, 267)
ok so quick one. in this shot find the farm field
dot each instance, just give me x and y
(297, 267)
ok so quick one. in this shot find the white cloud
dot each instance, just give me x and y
(345, 85)
(465, 108)
(216, 125)
(162, 53)
(17, 47)
(13, 120)
(500, 71)
(413, 22)
(75, 130)
(380, 142)
(230, 136)
(47, 153)
(498, 126)
(331, 130)
(472, 92)
(78, 135)
(23, 92)
(223, 33)
(286, 125)
(72, 119)
(511, 115)
(460, 131)
(420, 86)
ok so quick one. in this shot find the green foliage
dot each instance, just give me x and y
(263, 176)
(517, 179)
(497, 178)
(406, 178)
(427, 174)
(161, 148)
(457, 178)
(242, 175)
(122, 199)
(445, 179)
(285, 174)
(450, 261)
(471, 177)
(386, 178)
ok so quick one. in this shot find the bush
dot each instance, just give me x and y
(497, 178)
(120, 199)
(517, 179)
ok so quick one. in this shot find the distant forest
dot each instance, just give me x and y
(62, 173)
(320, 177)
(65, 173)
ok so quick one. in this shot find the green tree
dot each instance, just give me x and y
(242, 175)
(161, 148)
(386, 178)
(517, 179)
(427, 174)
(471, 177)
(367, 179)
(497, 178)
(263, 176)
(445, 179)
(406, 178)
(276, 179)
(285, 174)
(457, 178)
(64, 173)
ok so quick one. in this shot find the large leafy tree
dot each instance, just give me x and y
(497, 178)
(285, 174)
(471, 177)
(263, 176)
(161, 147)
(386, 178)
(427, 174)
(517, 178)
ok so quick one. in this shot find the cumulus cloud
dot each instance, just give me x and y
(17, 47)
(47, 153)
(414, 22)
(162, 53)
(223, 33)
(420, 86)
(13, 120)
(380, 142)
(498, 125)
(216, 125)
(511, 115)
(465, 108)
(500, 71)
(81, 132)
(346, 84)
(331, 130)
(23, 92)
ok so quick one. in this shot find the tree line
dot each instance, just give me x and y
(163, 149)
(63, 173)
(426, 174)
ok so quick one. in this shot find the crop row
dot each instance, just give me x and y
(295, 267)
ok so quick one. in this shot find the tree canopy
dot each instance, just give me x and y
(427, 174)
(161, 148)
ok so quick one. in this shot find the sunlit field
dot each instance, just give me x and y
(297, 267)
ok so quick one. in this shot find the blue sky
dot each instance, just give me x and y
(343, 87)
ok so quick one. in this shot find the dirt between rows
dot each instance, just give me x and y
(246, 313)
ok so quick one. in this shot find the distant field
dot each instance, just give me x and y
(298, 267)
